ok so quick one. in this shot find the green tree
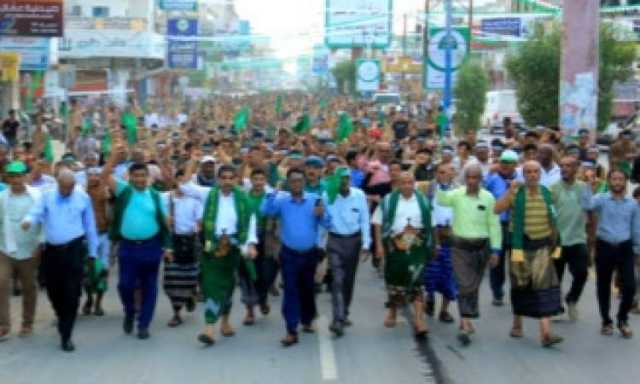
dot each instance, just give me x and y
(345, 73)
(470, 92)
(535, 69)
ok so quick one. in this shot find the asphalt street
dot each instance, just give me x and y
(369, 353)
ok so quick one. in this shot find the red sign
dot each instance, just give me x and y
(31, 18)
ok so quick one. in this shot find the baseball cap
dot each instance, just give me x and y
(509, 156)
(16, 168)
(207, 159)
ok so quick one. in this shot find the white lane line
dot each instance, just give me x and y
(328, 365)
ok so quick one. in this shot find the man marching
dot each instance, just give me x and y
(404, 222)
(229, 231)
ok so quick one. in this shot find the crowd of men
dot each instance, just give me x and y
(283, 200)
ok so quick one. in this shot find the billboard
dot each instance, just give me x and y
(358, 23)
(181, 52)
(31, 18)
(35, 52)
(508, 26)
(436, 63)
(84, 44)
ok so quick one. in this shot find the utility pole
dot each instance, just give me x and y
(448, 80)
(425, 44)
(404, 46)
(471, 18)
(579, 67)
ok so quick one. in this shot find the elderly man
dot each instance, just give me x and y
(67, 216)
(535, 290)
(404, 240)
(476, 234)
(19, 250)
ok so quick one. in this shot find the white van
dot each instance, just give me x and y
(501, 104)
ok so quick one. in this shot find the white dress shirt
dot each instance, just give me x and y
(186, 213)
(407, 212)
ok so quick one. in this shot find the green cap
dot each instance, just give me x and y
(16, 168)
(342, 172)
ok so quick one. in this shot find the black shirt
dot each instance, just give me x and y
(10, 129)
(400, 129)
(425, 172)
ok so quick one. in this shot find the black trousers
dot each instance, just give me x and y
(609, 258)
(344, 256)
(63, 269)
(577, 257)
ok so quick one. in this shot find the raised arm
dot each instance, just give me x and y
(505, 202)
(116, 155)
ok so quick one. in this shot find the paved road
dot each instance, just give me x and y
(368, 354)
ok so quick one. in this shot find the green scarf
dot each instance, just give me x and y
(389, 207)
(518, 215)
(243, 214)
(254, 204)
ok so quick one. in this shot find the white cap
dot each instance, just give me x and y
(207, 159)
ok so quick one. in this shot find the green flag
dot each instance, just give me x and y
(48, 150)
(345, 127)
(87, 127)
(303, 125)
(241, 119)
(332, 183)
(105, 145)
(323, 103)
(130, 123)
(279, 105)
(34, 84)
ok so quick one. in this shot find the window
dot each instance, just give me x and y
(76, 10)
(100, 11)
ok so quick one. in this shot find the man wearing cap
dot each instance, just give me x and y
(498, 183)
(206, 176)
(482, 156)
(19, 250)
(98, 272)
(67, 217)
(313, 172)
(349, 237)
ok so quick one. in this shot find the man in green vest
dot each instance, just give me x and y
(229, 232)
(403, 228)
(140, 225)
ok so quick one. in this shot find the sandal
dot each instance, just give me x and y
(445, 317)
(26, 332)
(265, 309)
(98, 312)
(249, 320)
(607, 330)
(289, 340)
(308, 329)
(551, 340)
(390, 321)
(516, 333)
(625, 330)
(227, 332)
(176, 321)
(206, 339)
(464, 338)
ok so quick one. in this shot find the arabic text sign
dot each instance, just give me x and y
(358, 23)
(436, 63)
(34, 51)
(31, 18)
(182, 53)
(510, 26)
(179, 5)
(80, 44)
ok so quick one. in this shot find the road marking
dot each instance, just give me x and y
(328, 365)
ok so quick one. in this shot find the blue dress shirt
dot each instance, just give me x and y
(299, 225)
(65, 218)
(357, 178)
(350, 215)
(618, 219)
(498, 185)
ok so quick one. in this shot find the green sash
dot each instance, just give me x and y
(243, 215)
(518, 215)
(389, 207)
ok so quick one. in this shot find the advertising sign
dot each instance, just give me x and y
(9, 65)
(34, 51)
(95, 44)
(367, 75)
(182, 53)
(436, 63)
(509, 26)
(358, 23)
(31, 18)
(179, 5)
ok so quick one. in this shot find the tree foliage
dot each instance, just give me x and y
(535, 69)
(345, 73)
(470, 92)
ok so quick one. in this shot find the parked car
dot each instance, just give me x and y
(501, 104)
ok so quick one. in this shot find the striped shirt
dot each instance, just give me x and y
(536, 219)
